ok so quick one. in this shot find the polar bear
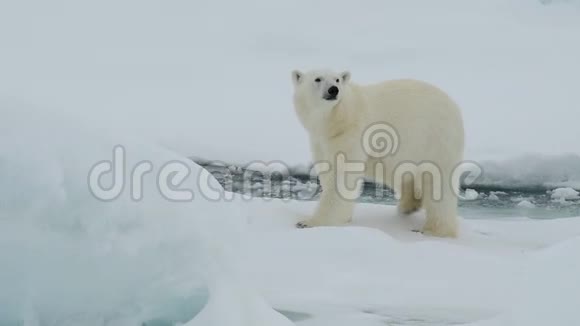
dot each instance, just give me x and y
(422, 142)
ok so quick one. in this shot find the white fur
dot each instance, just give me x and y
(429, 127)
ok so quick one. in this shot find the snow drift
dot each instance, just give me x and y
(69, 258)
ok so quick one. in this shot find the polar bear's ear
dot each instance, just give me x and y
(345, 75)
(297, 77)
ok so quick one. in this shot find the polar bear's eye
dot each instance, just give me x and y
(338, 80)
(318, 80)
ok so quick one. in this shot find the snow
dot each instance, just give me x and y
(470, 194)
(378, 271)
(495, 195)
(233, 303)
(548, 291)
(552, 299)
(526, 204)
(563, 194)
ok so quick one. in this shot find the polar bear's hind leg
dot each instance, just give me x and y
(441, 214)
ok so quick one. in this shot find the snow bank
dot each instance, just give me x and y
(233, 302)
(532, 171)
(70, 258)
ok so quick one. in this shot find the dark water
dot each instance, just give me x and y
(481, 201)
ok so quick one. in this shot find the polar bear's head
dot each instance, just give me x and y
(319, 88)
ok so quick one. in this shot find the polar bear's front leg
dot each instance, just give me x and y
(341, 186)
(333, 209)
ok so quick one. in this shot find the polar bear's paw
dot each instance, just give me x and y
(303, 225)
(313, 222)
(407, 207)
(440, 229)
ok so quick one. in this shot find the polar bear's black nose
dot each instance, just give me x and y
(333, 91)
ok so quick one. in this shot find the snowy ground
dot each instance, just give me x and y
(378, 272)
